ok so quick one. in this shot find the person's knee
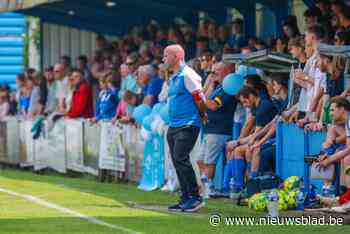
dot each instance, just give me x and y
(347, 160)
(239, 151)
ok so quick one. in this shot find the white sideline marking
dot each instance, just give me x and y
(67, 211)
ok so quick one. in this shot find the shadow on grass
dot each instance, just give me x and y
(127, 194)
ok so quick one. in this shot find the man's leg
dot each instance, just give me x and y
(228, 172)
(215, 145)
(184, 141)
(255, 162)
(239, 168)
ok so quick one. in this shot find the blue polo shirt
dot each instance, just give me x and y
(183, 110)
(153, 88)
(264, 112)
(221, 120)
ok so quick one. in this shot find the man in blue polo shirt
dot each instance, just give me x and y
(218, 130)
(150, 83)
(186, 112)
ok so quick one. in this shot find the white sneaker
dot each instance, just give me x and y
(345, 208)
(328, 201)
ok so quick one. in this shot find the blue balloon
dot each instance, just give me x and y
(244, 70)
(147, 122)
(141, 112)
(157, 108)
(164, 113)
(232, 83)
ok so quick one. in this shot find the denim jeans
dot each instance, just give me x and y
(181, 141)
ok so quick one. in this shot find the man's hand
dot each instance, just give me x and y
(93, 120)
(256, 145)
(114, 120)
(231, 145)
(323, 164)
(125, 119)
(205, 118)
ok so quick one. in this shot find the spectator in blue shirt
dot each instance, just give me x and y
(237, 39)
(263, 111)
(107, 102)
(218, 130)
(150, 83)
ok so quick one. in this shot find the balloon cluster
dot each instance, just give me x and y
(153, 120)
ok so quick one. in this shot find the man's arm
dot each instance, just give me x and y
(193, 84)
(148, 100)
(337, 157)
(199, 99)
(248, 126)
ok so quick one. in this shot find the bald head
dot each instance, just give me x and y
(176, 50)
(223, 69)
(59, 71)
(174, 55)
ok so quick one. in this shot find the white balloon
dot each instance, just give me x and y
(161, 127)
(155, 123)
(145, 135)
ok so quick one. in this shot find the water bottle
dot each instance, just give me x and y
(301, 196)
(232, 188)
(205, 187)
(273, 203)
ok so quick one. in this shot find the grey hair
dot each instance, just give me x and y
(147, 69)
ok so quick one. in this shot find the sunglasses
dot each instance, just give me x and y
(130, 63)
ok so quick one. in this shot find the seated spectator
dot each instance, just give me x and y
(66, 62)
(52, 101)
(255, 82)
(163, 74)
(290, 31)
(312, 17)
(205, 63)
(344, 18)
(237, 39)
(202, 45)
(282, 45)
(335, 141)
(132, 100)
(263, 111)
(150, 83)
(4, 103)
(218, 130)
(63, 88)
(82, 64)
(34, 98)
(81, 105)
(107, 100)
(20, 84)
(340, 108)
(265, 140)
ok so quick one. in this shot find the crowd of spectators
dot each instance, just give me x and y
(125, 73)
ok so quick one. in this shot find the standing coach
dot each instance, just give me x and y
(186, 112)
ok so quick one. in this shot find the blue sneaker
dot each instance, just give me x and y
(193, 204)
(179, 206)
